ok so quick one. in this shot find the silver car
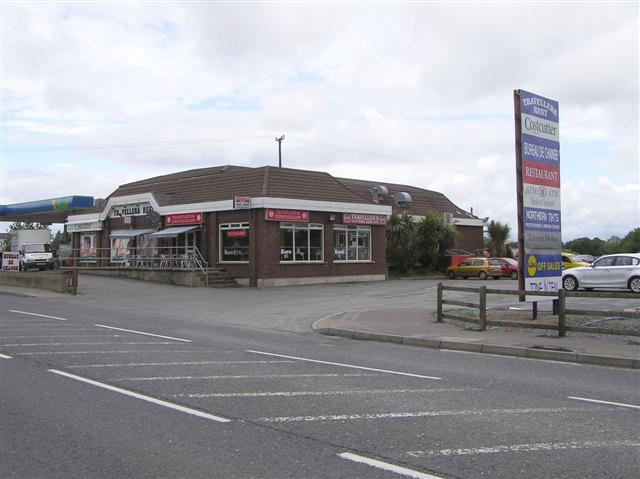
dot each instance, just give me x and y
(610, 271)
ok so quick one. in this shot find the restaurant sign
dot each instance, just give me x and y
(363, 219)
(183, 219)
(242, 202)
(287, 215)
(539, 182)
(88, 226)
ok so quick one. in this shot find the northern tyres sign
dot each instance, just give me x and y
(540, 180)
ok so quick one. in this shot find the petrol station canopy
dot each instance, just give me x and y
(53, 210)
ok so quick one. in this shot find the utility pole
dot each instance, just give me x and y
(280, 140)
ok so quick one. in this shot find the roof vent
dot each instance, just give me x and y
(378, 191)
(402, 199)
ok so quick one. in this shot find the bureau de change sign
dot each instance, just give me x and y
(538, 171)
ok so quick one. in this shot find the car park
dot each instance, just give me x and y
(570, 260)
(611, 271)
(509, 267)
(476, 267)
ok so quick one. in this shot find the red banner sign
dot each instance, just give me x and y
(183, 219)
(287, 215)
(236, 233)
(363, 219)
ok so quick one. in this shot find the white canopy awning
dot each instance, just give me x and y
(129, 233)
(173, 231)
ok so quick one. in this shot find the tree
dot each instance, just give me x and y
(24, 225)
(594, 247)
(401, 243)
(434, 238)
(630, 243)
(498, 237)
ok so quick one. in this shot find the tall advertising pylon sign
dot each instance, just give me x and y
(538, 192)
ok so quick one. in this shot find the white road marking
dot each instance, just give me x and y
(86, 344)
(306, 393)
(605, 402)
(159, 402)
(65, 336)
(403, 471)
(185, 363)
(145, 334)
(407, 415)
(37, 314)
(4, 356)
(344, 365)
(98, 352)
(63, 327)
(243, 376)
(544, 446)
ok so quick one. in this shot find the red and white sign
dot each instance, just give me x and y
(183, 219)
(10, 261)
(287, 215)
(363, 219)
(242, 202)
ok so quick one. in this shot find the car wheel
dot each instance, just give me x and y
(452, 275)
(482, 275)
(570, 283)
(514, 275)
(634, 284)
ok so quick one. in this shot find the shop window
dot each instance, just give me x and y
(352, 243)
(301, 243)
(234, 243)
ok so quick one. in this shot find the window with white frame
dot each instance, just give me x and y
(352, 243)
(301, 242)
(234, 243)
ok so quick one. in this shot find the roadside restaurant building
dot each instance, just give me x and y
(266, 226)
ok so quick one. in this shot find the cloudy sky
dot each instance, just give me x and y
(96, 94)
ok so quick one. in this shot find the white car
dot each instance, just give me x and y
(610, 271)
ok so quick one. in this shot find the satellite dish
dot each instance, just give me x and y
(153, 216)
(100, 203)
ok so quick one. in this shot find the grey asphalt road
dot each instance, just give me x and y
(232, 383)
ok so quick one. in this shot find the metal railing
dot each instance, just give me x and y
(561, 309)
(145, 258)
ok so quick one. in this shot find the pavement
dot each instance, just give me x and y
(417, 327)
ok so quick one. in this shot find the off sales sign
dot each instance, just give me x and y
(540, 178)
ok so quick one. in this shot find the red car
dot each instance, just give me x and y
(509, 267)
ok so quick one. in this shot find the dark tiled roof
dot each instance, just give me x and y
(223, 183)
(423, 201)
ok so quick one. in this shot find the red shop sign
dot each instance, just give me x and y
(236, 233)
(287, 215)
(183, 219)
(363, 219)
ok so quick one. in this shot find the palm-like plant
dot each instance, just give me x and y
(498, 236)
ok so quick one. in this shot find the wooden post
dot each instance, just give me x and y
(535, 310)
(483, 308)
(439, 310)
(562, 325)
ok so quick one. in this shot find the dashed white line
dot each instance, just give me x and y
(304, 393)
(605, 402)
(403, 471)
(4, 356)
(408, 415)
(37, 314)
(345, 365)
(143, 333)
(183, 363)
(244, 376)
(159, 402)
(533, 447)
(85, 344)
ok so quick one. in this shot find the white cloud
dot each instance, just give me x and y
(407, 93)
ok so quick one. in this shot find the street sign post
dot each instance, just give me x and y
(538, 193)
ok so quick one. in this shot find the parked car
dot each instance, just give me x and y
(509, 267)
(610, 271)
(587, 258)
(476, 267)
(570, 260)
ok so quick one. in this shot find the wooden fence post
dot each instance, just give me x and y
(483, 308)
(562, 325)
(439, 307)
